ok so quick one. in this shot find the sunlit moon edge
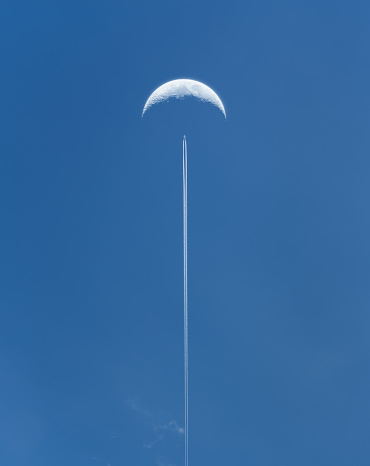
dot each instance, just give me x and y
(177, 87)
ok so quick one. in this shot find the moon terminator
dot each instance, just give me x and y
(182, 88)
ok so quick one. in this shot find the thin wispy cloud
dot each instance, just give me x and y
(172, 425)
(158, 427)
(162, 425)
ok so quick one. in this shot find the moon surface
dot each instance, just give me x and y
(182, 88)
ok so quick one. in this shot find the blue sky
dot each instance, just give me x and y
(91, 349)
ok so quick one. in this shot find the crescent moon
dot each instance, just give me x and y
(181, 88)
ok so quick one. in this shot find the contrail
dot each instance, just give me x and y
(186, 335)
(179, 89)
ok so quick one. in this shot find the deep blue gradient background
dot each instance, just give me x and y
(91, 345)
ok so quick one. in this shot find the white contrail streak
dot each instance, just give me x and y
(186, 335)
